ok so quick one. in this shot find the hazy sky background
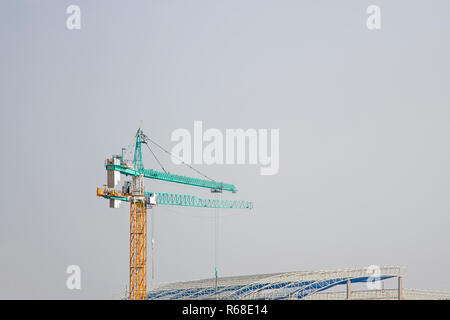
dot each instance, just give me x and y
(364, 133)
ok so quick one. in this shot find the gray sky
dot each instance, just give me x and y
(363, 116)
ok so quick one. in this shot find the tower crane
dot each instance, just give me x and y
(140, 200)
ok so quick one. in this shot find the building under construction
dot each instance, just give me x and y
(314, 285)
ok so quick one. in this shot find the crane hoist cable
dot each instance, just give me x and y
(216, 228)
(154, 155)
(216, 245)
(152, 243)
(146, 138)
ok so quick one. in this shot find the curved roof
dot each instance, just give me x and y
(287, 285)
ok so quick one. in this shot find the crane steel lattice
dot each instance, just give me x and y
(134, 192)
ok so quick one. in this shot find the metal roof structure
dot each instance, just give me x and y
(275, 286)
(383, 294)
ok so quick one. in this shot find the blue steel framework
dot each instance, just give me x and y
(295, 285)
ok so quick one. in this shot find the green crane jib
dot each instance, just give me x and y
(136, 168)
(173, 199)
(169, 177)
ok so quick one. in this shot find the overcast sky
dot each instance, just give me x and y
(363, 116)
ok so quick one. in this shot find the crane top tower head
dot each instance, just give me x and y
(137, 161)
